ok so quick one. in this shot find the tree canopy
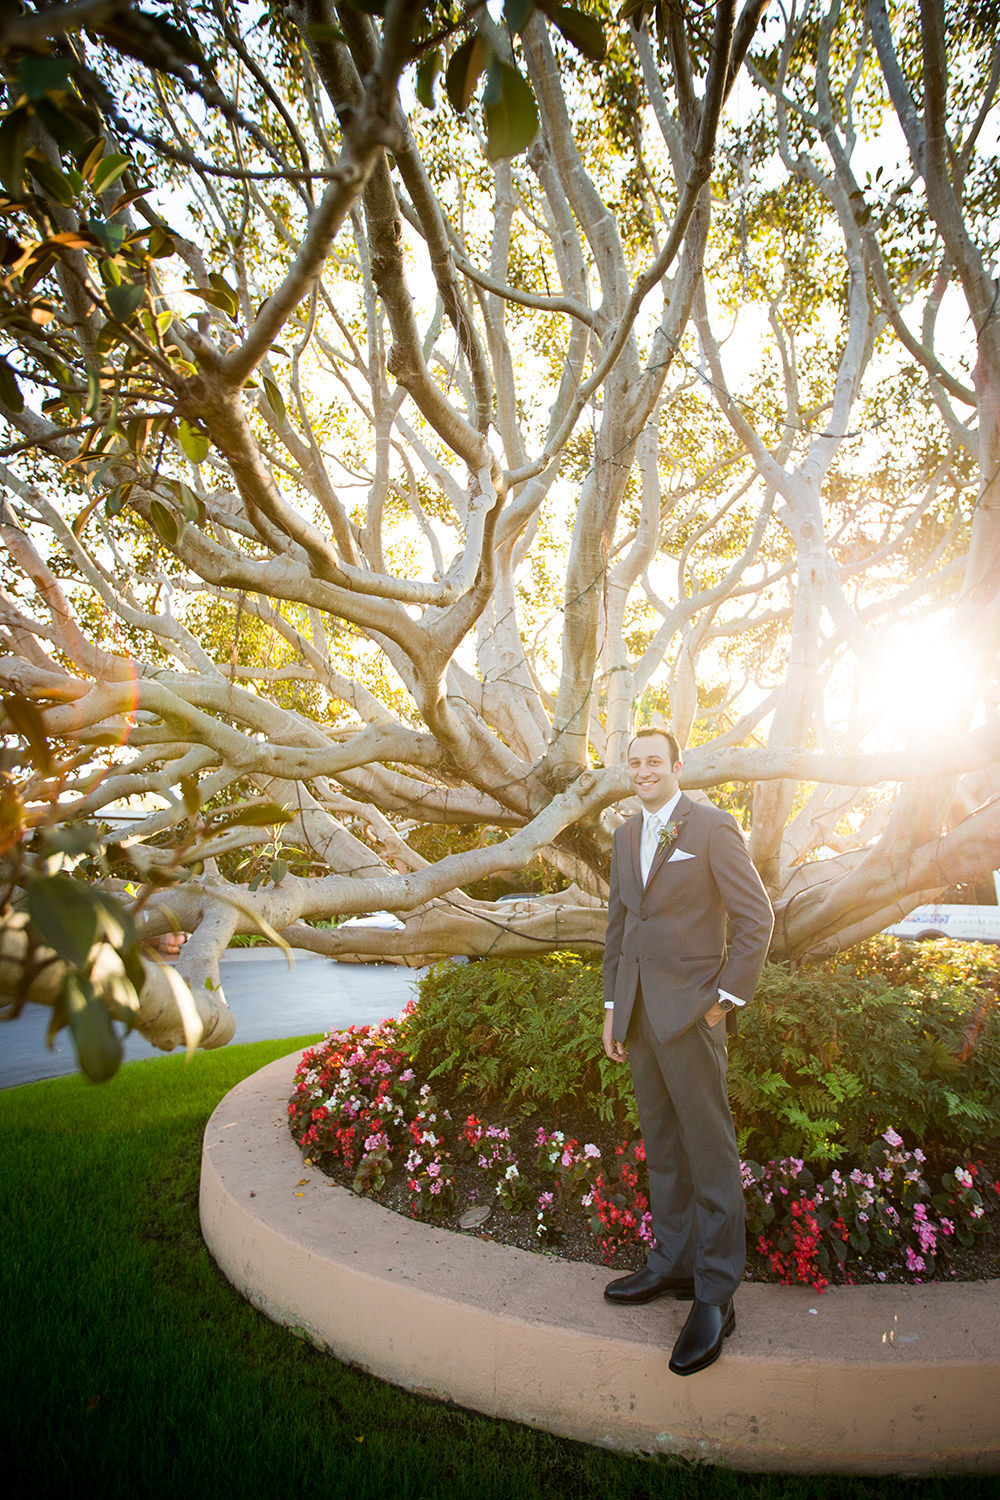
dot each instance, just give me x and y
(403, 402)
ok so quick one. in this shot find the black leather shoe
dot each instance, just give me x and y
(699, 1343)
(644, 1285)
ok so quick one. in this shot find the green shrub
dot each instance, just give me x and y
(889, 1036)
(520, 1035)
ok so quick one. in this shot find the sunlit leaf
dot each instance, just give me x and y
(193, 441)
(278, 871)
(222, 300)
(228, 300)
(91, 162)
(108, 171)
(160, 243)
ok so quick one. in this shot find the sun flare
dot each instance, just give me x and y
(920, 683)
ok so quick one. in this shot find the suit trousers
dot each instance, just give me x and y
(695, 1184)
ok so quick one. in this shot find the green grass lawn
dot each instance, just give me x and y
(131, 1368)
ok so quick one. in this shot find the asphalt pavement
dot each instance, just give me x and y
(268, 999)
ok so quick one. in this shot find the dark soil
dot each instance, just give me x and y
(574, 1241)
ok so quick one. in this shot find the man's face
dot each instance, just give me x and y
(649, 769)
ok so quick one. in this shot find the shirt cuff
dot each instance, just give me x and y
(609, 1005)
(725, 995)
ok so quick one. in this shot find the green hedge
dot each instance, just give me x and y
(828, 1057)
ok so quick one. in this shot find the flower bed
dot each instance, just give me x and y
(359, 1113)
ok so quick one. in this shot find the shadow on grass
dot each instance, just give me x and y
(131, 1367)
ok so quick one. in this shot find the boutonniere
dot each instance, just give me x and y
(667, 834)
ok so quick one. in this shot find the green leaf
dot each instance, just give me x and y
(93, 393)
(65, 916)
(190, 506)
(428, 69)
(10, 391)
(27, 721)
(165, 523)
(274, 399)
(110, 236)
(464, 67)
(159, 243)
(38, 76)
(125, 301)
(191, 795)
(13, 136)
(511, 113)
(222, 300)
(109, 336)
(226, 296)
(517, 13)
(50, 179)
(585, 32)
(265, 815)
(108, 171)
(98, 1045)
(321, 31)
(92, 160)
(193, 441)
(277, 872)
(115, 501)
(74, 839)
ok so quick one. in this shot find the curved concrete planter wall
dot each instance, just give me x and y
(871, 1380)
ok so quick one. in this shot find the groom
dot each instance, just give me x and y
(689, 925)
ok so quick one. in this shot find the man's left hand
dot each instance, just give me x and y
(715, 1015)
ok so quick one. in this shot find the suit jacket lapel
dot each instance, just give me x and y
(663, 853)
(634, 844)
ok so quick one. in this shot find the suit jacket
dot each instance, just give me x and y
(701, 923)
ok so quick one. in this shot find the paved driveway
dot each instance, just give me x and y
(268, 999)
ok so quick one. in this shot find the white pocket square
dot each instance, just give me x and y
(679, 854)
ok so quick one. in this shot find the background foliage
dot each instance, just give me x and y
(893, 1035)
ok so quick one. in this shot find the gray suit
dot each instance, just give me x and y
(701, 923)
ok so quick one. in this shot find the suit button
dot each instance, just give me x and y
(643, 916)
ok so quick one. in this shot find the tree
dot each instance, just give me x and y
(375, 458)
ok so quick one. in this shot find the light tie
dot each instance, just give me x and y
(650, 839)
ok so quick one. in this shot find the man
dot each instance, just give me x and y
(689, 925)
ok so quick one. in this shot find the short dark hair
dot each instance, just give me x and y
(647, 733)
